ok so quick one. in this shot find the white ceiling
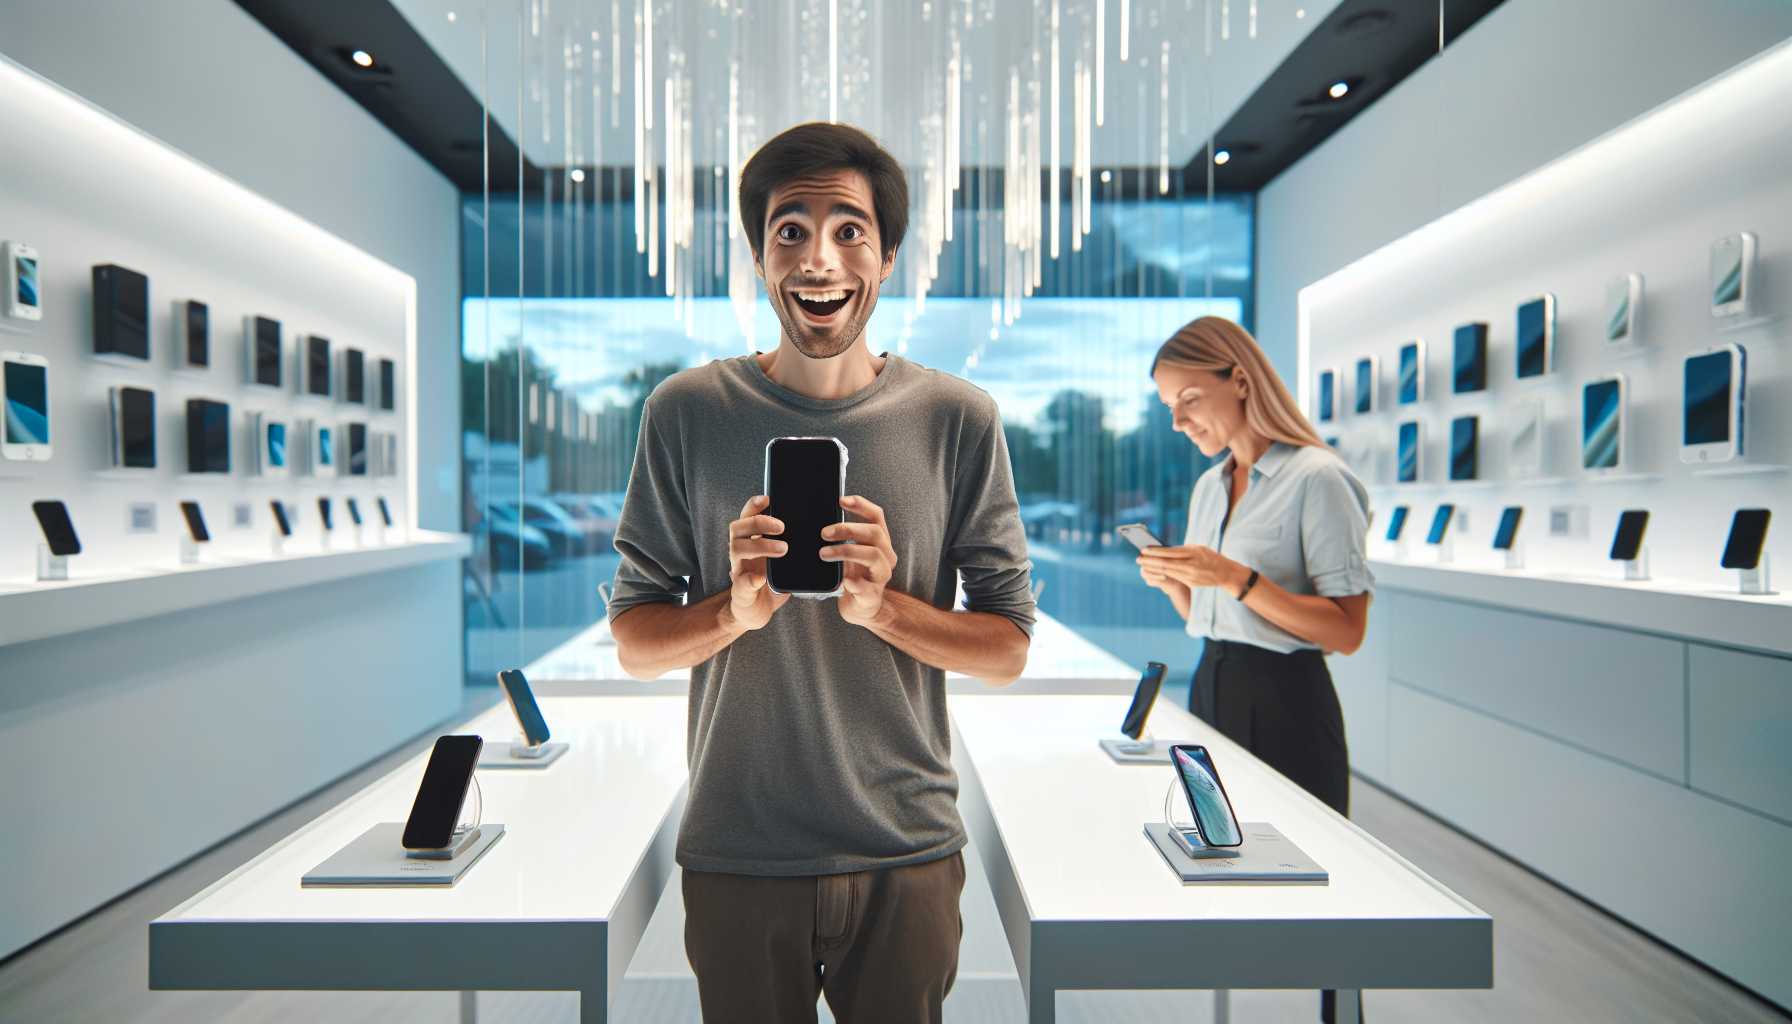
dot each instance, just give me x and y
(892, 59)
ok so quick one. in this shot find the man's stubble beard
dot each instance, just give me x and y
(853, 331)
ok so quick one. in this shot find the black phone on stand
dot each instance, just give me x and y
(1206, 794)
(805, 478)
(436, 810)
(1627, 540)
(1142, 698)
(522, 704)
(59, 531)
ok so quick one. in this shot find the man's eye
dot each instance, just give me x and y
(790, 233)
(851, 232)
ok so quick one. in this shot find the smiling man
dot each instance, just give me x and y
(821, 840)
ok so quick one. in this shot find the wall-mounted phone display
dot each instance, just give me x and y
(26, 381)
(1397, 522)
(354, 462)
(1748, 534)
(316, 351)
(1440, 523)
(354, 376)
(1623, 298)
(59, 530)
(1525, 454)
(323, 448)
(1410, 451)
(133, 427)
(120, 312)
(208, 436)
(1328, 395)
(1536, 339)
(1368, 379)
(1469, 359)
(1412, 372)
(24, 296)
(1465, 448)
(1602, 424)
(1506, 534)
(1732, 275)
(192, 335)
(388, 384)
(1713, 385)
(1627, 539)
(263, 349)
(275, 455)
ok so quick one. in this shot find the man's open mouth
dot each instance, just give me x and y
(821, 303)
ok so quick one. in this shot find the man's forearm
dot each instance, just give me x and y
(980, 644)
(653, 639)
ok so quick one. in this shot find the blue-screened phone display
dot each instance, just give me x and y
(326, 451)
(27, 404)
(277, 445)
(1397, 522)
(1409, 373)
(1465, 434)
(1470, 358)
(1533, 335)
(1365, 385)
(1601, 418)
(522, 702)
(1327, 391)
(1201, 784)
(1508, 528)
(1617, 320)
(1440, 523)
(1726, 274)
(1707, 416)
(27, 272)
(1409, 452)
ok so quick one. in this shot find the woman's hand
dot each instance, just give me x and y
(1192, 565)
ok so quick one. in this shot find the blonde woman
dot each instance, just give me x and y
(1272, 573)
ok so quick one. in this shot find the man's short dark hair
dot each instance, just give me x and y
(820, 148)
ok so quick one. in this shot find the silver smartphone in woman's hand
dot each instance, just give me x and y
(1139, 535)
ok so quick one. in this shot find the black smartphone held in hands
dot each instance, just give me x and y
(444, 788)
(805, 478)
(1207, 798)
(1627, 541)
(59, 532)
(522, 704)
(1142, 698)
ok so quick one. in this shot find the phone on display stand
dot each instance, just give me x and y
(354, 511)
(1537, 337)
(1526, 448)
(1411, 451)
(25, 380)
(1397, 522)
(1714, 394)
(120, 313)
(1328, 395)
(354, 376)
(1150, 681)
(195, 522)
(1368, 379)
(133, 427)
(385, 512)
(59, 530)
(1412, 372)
(355, 464)
(24, 295)
(1602, 425)
(1206, 795)
(1748, 536)
(1139, 535)
(1627, 539)
(324, 512)
(262, 348)
(280, 519)
(1465, 447)
(388, 383)
(192, 335)
(1469, 359)
(436, 811)
(805, 478)
(522, 704)
(1732, 275)
(1507, 532)
(316, 364)
(1623, 299)
(208, 436)
(1440, 523)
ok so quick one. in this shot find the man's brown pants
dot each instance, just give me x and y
(882, 945)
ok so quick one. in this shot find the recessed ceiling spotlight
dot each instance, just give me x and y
(1338, 90)
(1300, 12)
(451, 17)
(1222, 158)
(578, 174)
(1107, 176)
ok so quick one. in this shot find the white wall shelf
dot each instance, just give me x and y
(32, 610)
(1740, 469)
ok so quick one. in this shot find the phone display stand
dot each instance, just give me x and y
(1637, 569)
(1401, 552)
(355, 535)
(277, 544)
(1144, 750)
(1446, 549)
(1515, 557)
(323, 538)
(189, 550)
(462, 841)
(377, 858)
(1756, 580)
(51, 568)
(520, 754)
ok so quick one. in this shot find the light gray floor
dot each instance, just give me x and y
(1556, 959)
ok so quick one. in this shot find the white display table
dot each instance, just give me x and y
(1087, 903)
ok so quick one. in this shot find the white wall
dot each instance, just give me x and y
(1531, 81)
(204, 77)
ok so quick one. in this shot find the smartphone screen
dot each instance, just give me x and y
(59, 532)
(317, 366)
(1139, 536)
(354, 511)
(1327, 392)
(1601, 420)
(1207, 798)
(121, 312)
(280, 519)
(1748, 532)
(1508, 528)
(266, 344)
(26, 268)
(199, 337)
(1628, 540)
(208, 436)
(1706, 417)
(354, 381)
(1409, 373)
(323, 512)
(326, 448)
(1471, 358)
(1533, 338)
(27, 403)
(1409, 452)
(1440, 524)
(388, 385)
(444, 788)
(803, 482)
(522, 704)
(357, 449)
(276, 445)
(1149, 683)
(385, 513)
(1726, 270)
(195, 521)
(1365, 386)
(1397, 522)
(1465, 435)
(135, 421)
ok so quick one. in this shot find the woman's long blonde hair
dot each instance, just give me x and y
(1219, 346)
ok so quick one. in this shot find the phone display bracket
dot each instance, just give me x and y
(1144, 750)
(323, 537)
(51, 567)
(189, 550)
(1515, 557)
(465, 834)
(1637, 569)
(1757, 580)
(1446, 549)
(277, 544)
(1197, 847)
(522, 748)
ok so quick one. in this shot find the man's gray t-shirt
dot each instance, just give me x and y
(814, 746)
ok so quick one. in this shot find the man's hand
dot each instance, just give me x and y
(868, 556)
(751, 600)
